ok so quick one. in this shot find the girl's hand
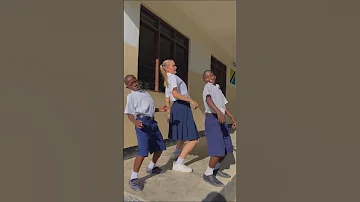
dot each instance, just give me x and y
(195, 105)
(162, 109)
(138, 124)
(168, 118)
(233, 124)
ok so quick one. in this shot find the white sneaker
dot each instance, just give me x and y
(181, 168)
(174, 156)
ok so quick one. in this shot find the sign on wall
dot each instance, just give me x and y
(232, 77)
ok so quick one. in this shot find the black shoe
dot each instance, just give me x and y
(221, 174)
(135, 184)
(155, 170)
(211, 179)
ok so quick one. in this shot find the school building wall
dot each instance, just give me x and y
(202, 47)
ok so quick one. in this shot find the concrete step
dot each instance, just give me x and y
(175, 186)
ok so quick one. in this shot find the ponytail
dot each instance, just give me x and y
(163, 72)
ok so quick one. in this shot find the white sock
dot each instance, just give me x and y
(134, 175)
(209, 171)
(217, 166)
(179, 161)
(151, 165)
(177, 151)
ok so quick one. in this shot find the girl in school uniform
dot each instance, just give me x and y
(181, 121)
(217, 135)
(140, 110)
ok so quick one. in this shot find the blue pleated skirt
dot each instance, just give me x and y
(181, 124)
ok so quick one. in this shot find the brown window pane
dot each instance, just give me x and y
(213, 61)
(166, 52)
(165, 45)
(181, 58)
(167, 30)
(147, 19)
(146, 60)
(181, 40)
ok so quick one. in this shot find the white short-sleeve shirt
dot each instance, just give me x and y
(217, 97)
(176, 82)
(167, 92)
(140, 102)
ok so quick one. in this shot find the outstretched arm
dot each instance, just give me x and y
(161, 109)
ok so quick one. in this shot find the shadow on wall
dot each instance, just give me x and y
(214, 197)
(132, 10)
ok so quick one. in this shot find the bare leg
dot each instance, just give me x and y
(221, 159)
(134, 179)
(156, 156)
(213, 160)
(152, 168)
(187, 148)
(137, 163)
(179, 164)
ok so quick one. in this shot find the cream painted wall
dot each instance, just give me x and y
(201, 49)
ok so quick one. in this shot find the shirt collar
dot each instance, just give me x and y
(217, 85)
(139, 91)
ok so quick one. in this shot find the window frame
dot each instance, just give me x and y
(159, 26)
(215, 63)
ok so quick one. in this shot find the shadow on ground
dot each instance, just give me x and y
(214, 197)
(164, 168)
(200, 150)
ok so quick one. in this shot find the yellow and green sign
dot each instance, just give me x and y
(232, 77)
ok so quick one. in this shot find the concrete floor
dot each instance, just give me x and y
(176, 186)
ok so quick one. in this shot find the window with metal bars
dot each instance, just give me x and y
(159, 41)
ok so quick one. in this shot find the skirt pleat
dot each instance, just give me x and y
(182, 125)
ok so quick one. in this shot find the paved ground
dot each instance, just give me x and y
(175, 186)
